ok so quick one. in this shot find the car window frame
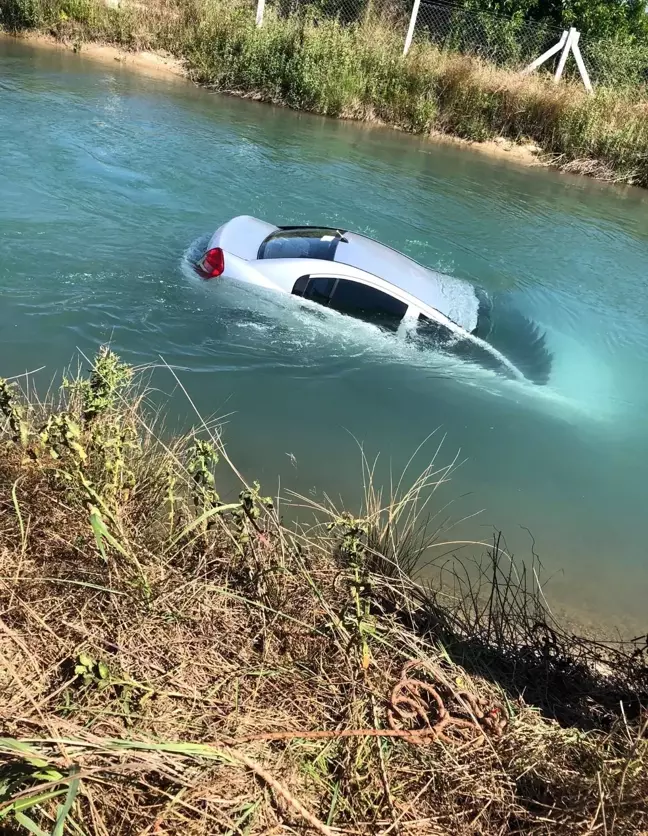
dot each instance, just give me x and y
(410, 308)
(415, 306)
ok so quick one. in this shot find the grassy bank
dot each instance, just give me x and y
(358, 72)
(173, 662)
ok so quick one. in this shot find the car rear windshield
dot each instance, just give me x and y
(300, 242)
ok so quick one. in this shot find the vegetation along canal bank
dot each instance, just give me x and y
(358, 71)
(340, 698)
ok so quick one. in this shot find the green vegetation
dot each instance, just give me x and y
(514, 32)
(357, 71)
(615, 32)
(176, 663)
(621, 19)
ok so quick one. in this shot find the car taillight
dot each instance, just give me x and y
(213, 263)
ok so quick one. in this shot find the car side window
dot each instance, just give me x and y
(435, 335)
(368, 303)
(317, 289)
(433, 332)
(354, 299)
(300, 286)
(320, 290)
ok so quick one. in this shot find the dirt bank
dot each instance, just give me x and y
(165, 64)
(149, 63)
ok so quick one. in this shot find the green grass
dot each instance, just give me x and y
(171, 662)
(358, 71)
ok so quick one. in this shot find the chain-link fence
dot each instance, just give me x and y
(447, 24)
(458, 27)
(504, 41)
(397, 12)
(616, 64)
(516, 43)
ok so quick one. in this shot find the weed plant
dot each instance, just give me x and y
(174, 663)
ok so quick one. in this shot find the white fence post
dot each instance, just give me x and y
(412, 24)
(547, 55)
(582, 69)
(565, 54)
(568, 42)
(259, 13)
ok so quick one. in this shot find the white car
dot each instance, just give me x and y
(359, 277)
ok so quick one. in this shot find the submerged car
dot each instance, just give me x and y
(357, 276)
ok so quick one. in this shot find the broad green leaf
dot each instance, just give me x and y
(23, 749)
(99, 528)
(212, 512)
(33, 800)
(16, 504)
(101, 533)
(48, 775)
(26, 822)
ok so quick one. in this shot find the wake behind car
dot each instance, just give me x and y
(359, 277)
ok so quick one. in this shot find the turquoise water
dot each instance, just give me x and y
(108, 178)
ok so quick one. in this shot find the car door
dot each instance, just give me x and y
(353, 298)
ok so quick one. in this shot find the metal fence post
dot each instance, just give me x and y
(259, 12)
(412, 24)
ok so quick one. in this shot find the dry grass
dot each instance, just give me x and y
(173, 665)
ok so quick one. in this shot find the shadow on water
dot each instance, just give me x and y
(491, 617)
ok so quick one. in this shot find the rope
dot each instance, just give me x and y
(414, 700)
